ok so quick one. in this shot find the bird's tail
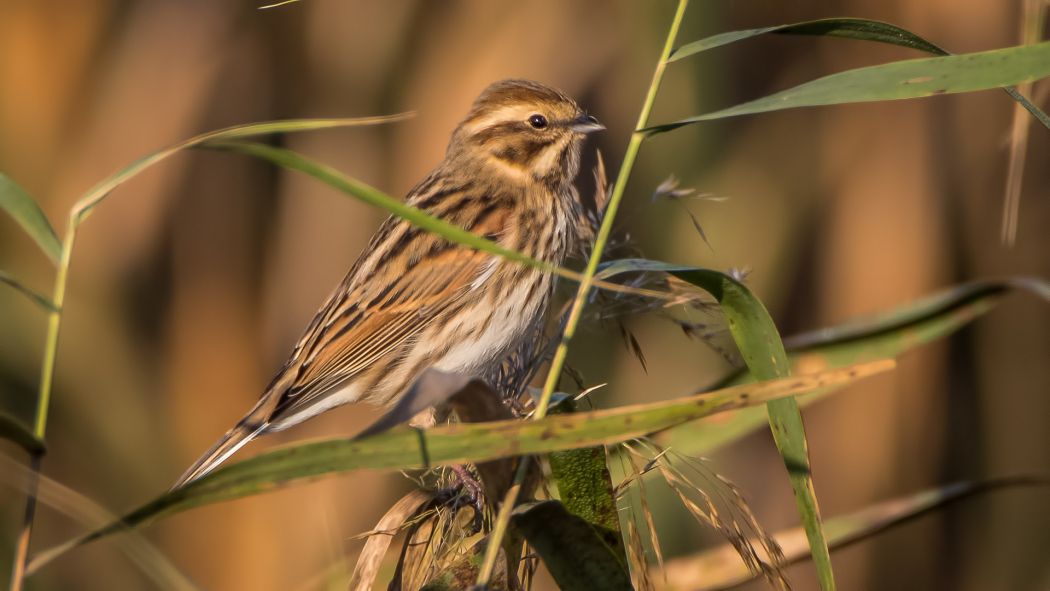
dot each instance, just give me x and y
(232, 441)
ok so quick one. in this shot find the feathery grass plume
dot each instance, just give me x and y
(693, 311)
(670, 190)
(611, 307)
(647, 514)
(632, 491)
(714, 501)
(628, 499)
(636, 554)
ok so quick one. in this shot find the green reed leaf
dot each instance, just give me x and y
(88, 513)
(899, 80)
(99, 192)
(25, 210)
(850, 28)
(294, 161)
(886, 335)
(406, 448)
(79, 212)
(14, 431)
(722, 568)
(580, 555)
(759, 343)
(36, 297)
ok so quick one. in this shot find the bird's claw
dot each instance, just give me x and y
(470, 487)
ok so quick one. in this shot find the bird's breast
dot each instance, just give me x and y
(496, 314)
(507, 298)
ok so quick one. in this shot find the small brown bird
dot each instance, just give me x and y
(413, 300)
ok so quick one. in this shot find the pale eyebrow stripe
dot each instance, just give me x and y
(500, 115)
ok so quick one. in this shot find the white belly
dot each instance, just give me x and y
(475, 353)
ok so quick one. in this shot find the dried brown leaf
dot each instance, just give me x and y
(380, 538)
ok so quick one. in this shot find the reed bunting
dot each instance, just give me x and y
(413, 300)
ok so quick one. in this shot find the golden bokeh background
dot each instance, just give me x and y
(192, 281)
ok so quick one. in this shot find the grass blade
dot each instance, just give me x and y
(759, 342)
(408, 448)
(99, 192)
(722, 569)
(898, 80)
(1032, 24)
(372, 196)
(83, 510)
(884, 336)
(850, 28)
(25, 210)
(63, 254)
(36, 297)
(881, 32)
(294, 161)
(14, 431)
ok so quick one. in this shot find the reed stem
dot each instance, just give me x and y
(586, 281)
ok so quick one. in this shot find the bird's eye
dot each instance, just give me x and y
(538, 121)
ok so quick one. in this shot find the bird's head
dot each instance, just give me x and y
(527, 129)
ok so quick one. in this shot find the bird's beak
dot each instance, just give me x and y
(585, 124)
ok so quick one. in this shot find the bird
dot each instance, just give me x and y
(413, 300)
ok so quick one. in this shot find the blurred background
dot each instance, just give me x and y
(191, 283)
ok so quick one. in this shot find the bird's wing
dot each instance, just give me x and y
(371, 317)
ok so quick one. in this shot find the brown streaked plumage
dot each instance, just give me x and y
(413, 300)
